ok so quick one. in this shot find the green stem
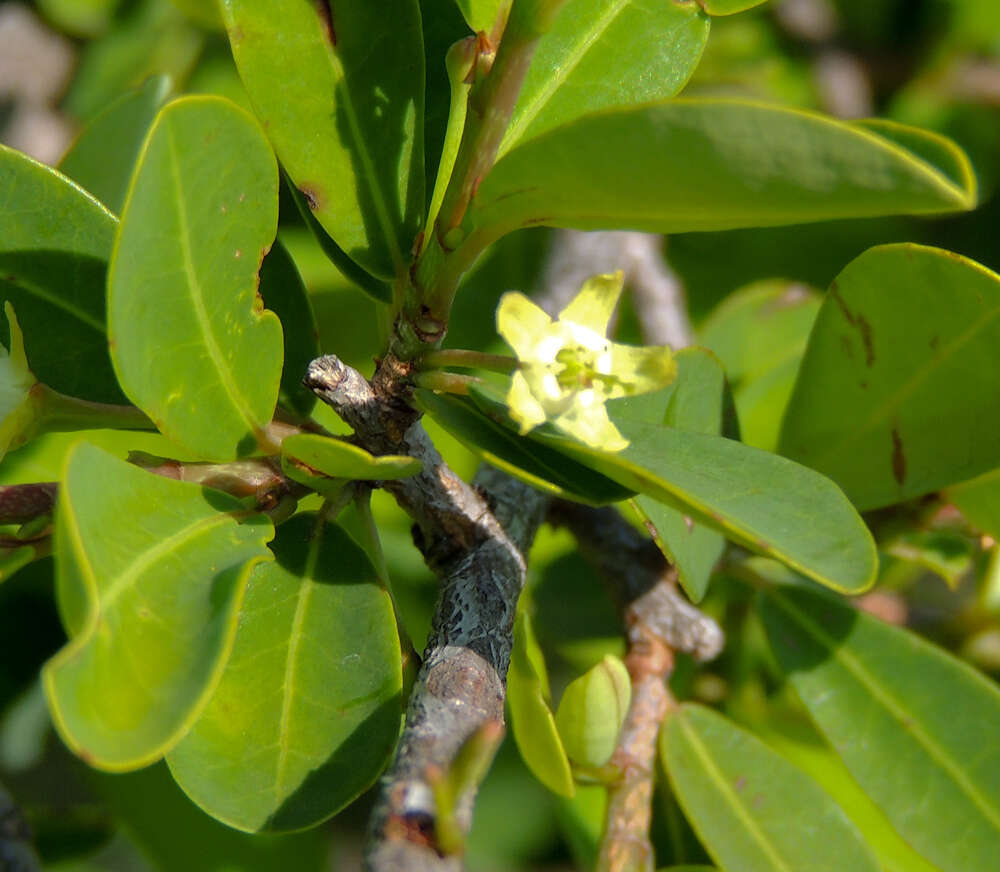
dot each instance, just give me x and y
(61, 412)
(446, 382)
(450, 250)
(466, 359)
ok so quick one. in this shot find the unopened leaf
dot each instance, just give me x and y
(150, 608)
(192, 344)
(308, 708)
(880, 693)
(753, 810)
(592, 710)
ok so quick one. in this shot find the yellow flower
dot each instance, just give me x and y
(569, 369)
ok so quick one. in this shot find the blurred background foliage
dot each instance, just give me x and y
(752, 294)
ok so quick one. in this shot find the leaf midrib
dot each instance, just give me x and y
(896, 399)
(306, 586)
(907, 724)
(553, 82)
(239, 402)
(722, 785)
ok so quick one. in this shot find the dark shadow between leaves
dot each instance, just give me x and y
(804, 627)
(350, 770)
(59, 300)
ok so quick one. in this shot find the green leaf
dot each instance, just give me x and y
(151, 610)
(605, 54)
(55, 240)
(548, 470)
(879, 693)
(908, 338)
(283, 292)
(801, 745)
(103, 155)
(752, 809)
(191, 342)
(308, 708)
(979, 501)
(531, 719)
(375, 288)
(759, 333)
(728, 7)
(760, 500)
(481, 14)
(341, 95)
(711, 164)
(314, 460)
(693, 402)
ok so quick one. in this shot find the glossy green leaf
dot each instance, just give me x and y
(283, 292)
(339, 459)
(55, 240)
(710, 164)
(879, 693)
(374, 287)
(481, 14)
(728, 7)
(801, 745)
(592, 710)
(191, 342)
(531, 719)
(150, 611)
(549, 471)
(103, 156)
(308, 708)
(341, 96)
(604, 54)
(693, 402)
(908, 338)
(760, 500)
(751, 808)
(759, 333)
(979, 501)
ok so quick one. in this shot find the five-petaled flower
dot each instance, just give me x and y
(569, 369)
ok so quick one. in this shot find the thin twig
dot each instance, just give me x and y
(659, 621)
(657, 292)
(475, 537)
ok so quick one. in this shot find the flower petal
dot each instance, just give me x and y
(521, 323)
(524, 408)
(592, 426)
(595, 304)
(641, 370)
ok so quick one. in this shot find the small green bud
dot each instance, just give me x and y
(592, 711)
